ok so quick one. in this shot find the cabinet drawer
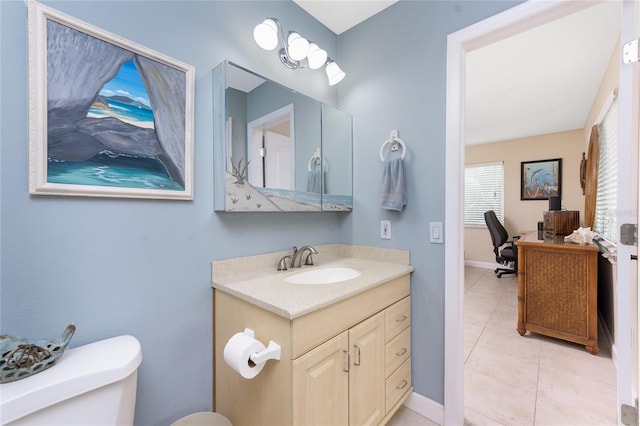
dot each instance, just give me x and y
(398, 318)
(397, 384)
(397, 351)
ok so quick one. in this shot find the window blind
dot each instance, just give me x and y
(483, 190)
(605, 222)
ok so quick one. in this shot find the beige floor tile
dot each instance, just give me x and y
(500, 392)
(477, 317)
(520, 347)
(565, 398)
(504, 322)
(481, 293)
(472, 418)
(573, 358)
(472, 333)
(488, 283)
(471, 275)
(501, 366)
(407, 417)
(498, 400)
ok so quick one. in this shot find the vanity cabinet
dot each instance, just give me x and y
(342, 381)
(348, 363)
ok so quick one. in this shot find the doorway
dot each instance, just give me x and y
(511, 22)
(271, 150)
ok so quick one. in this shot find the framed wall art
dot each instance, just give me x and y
(541, 179)
(107, 117)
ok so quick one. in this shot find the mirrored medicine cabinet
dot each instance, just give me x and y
(276, 149)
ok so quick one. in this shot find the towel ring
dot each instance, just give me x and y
(394, 141)
(318, 160)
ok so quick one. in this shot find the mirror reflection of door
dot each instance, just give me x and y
(277, 161)
(271, 150)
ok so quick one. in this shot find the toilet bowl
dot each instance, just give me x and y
(94, 384)
(204, 418)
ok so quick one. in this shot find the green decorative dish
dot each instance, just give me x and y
(20, 357)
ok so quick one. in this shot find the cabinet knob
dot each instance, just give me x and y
(402, 385)
(401, 352)
(401, 318)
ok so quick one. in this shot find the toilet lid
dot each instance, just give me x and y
(80, 370)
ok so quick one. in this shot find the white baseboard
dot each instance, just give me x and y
(426, 407)
(484, 265)
(609, 339)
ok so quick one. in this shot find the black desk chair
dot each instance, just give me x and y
(508, 256)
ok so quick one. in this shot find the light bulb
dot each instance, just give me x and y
(334, 73)
(298, 46)
(266, 34)
(317, 57)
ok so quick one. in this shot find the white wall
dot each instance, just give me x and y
(396, 75)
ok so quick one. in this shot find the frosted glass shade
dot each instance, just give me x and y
(316, 56)
(334, 73)
(298, 46)
(266, 34)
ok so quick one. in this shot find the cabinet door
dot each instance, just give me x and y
(367, 375)
(321, 384)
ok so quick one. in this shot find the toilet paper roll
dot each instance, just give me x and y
(237, 352)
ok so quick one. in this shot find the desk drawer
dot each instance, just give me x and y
(398, 317)
(398, 350)
(397, 384)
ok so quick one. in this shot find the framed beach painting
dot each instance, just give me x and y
(107, 117)
(541, 179)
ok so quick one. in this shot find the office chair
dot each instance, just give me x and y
(499, 237)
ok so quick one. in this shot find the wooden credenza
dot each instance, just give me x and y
(558, 289)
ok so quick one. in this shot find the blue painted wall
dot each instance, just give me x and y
(142, 267)
(396, 75)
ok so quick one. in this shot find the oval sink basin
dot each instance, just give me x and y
(329, 275)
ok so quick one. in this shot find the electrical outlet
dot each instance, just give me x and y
(385, 229)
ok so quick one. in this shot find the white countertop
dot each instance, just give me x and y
(268, 289)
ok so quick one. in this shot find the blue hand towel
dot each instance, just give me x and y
(314, 178)
(393, 191)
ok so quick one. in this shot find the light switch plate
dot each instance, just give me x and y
(385, 229)
(436, 233)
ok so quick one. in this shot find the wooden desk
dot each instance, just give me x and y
(557, 289)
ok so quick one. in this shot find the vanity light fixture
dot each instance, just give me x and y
(297, 51)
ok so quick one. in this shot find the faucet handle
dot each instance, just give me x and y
(282, 264)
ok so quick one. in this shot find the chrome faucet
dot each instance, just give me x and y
(297, 254)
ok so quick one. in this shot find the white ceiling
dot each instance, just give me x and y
(541, 81)
(340, 15)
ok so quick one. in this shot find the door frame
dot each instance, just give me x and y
(501, 26)
(254, 140)
(627, 324)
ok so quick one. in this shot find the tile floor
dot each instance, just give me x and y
(532, 379)
(528, 380)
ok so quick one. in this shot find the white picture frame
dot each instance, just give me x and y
(107, 116)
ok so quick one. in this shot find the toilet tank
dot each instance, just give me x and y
(94, 384)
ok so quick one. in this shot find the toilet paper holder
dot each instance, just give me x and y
(272, 351)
